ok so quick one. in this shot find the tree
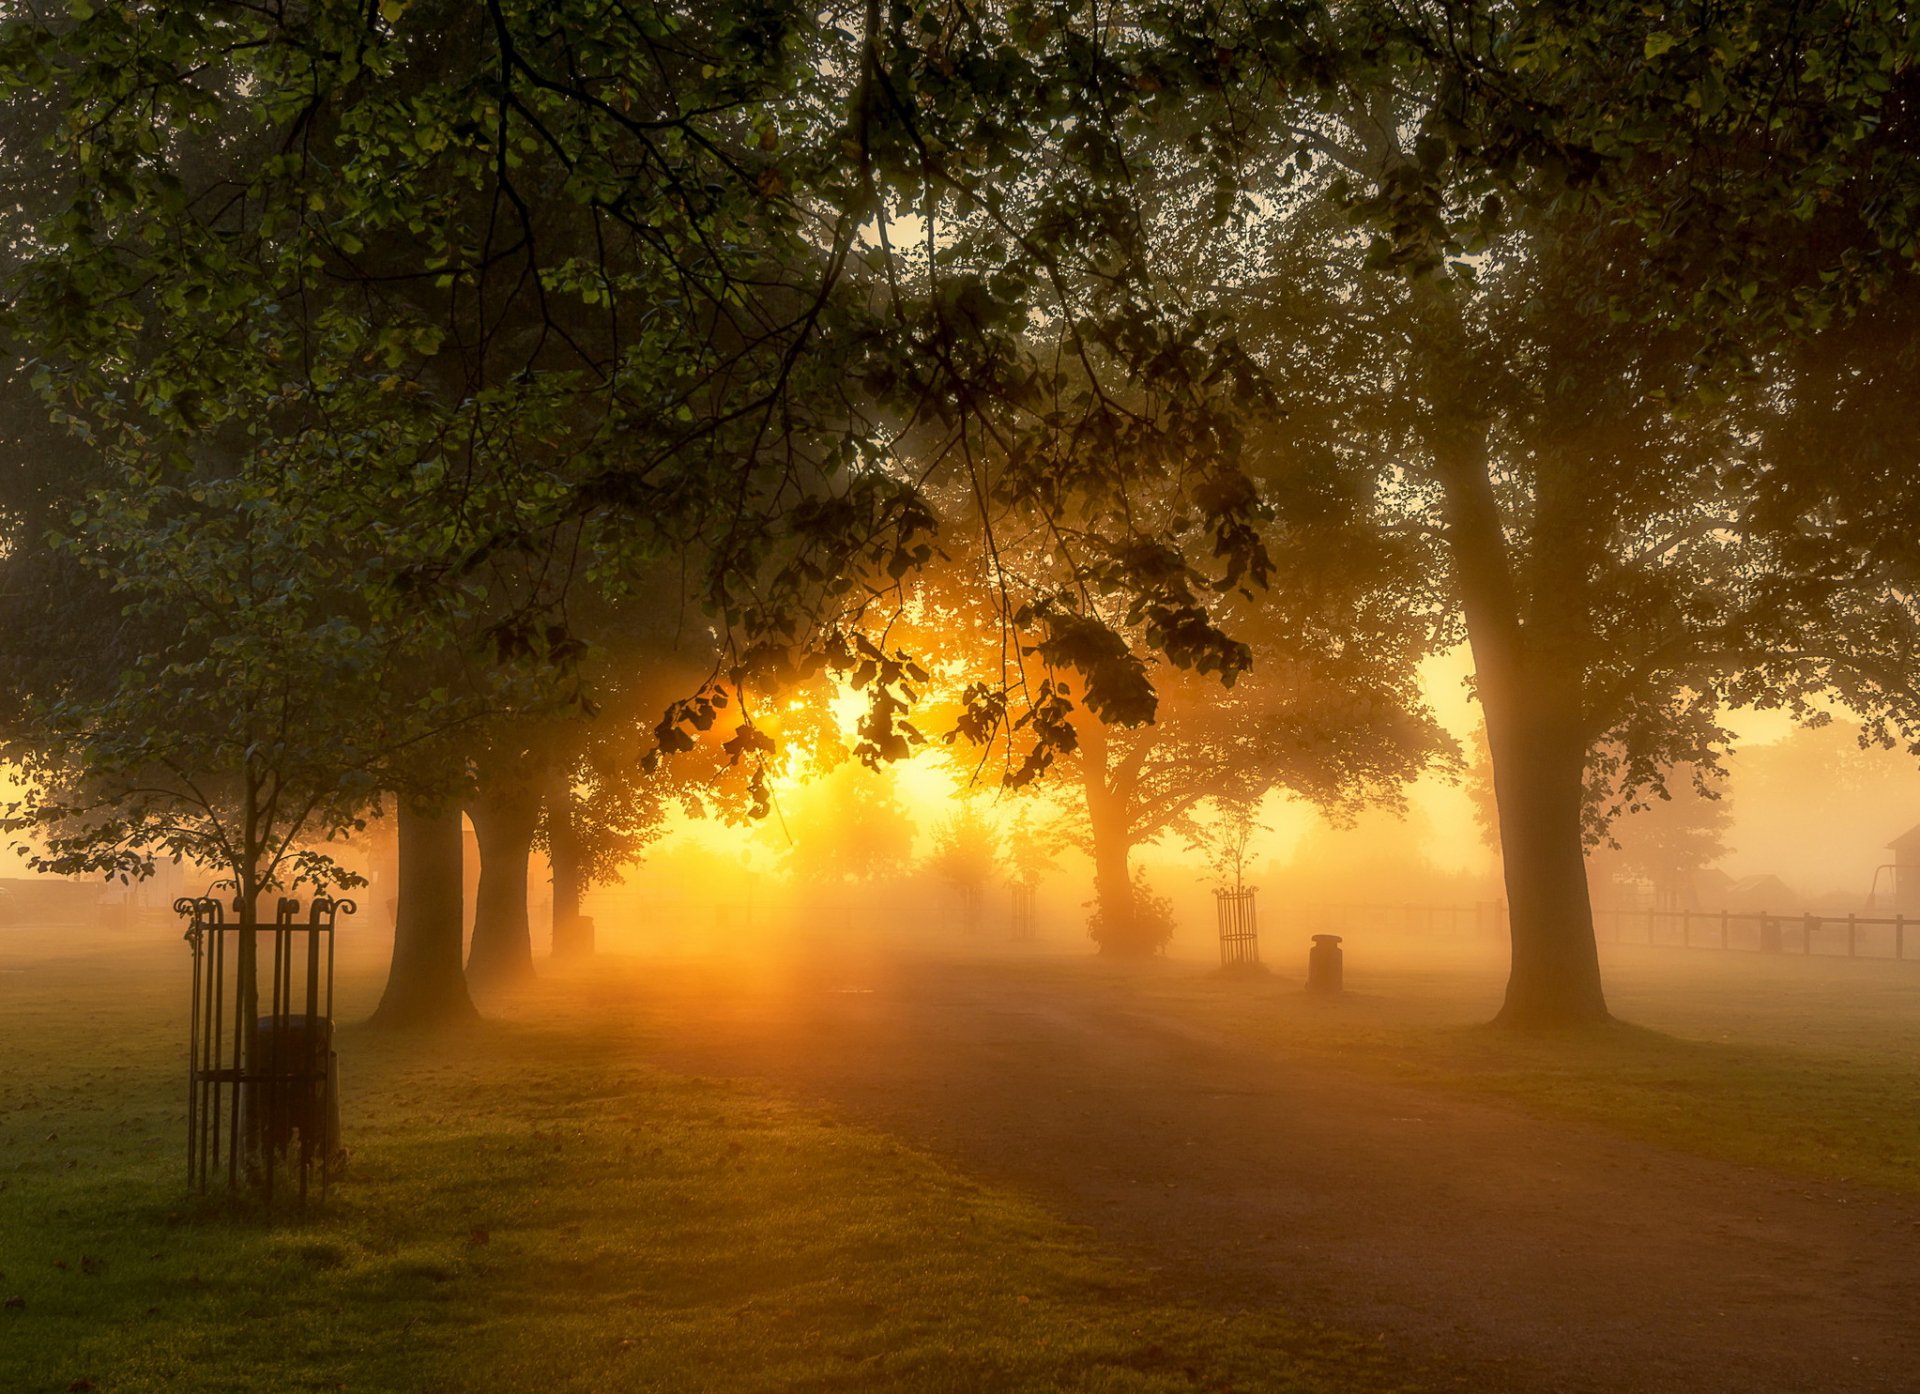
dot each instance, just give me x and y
(236, 737)
(1494, 362)
(1227, 839)
(425, 986)
(593, 828)
(966, 850)
(1031, 843)
(1321, 700)
(1687, 200)
(505, 811)
(1666, 842)
(1334, 742)
(599, 814)
(840, 826)
(643, 644)
(1148, 925)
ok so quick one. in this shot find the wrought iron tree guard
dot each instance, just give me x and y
(1022, 913)
(253, 1086)
(1239, 930)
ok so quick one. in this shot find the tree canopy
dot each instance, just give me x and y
(1267, 337)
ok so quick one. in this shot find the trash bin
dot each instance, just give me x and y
(1324, 965)
(294, 1085)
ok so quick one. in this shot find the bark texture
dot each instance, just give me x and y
(1527, 665)
(572, 932)
(425, 985)
(1123, 931)
(505, 817)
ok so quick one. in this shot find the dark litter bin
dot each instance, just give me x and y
(296, 1089)
(1324, 964)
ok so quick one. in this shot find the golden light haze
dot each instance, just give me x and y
(1805, 805)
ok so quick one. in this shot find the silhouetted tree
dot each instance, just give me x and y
(425, 985)
(966, 852)
(1339, 747)
(1596, 248)
(505, 811)
(1031, 842)
(1666, 841)
(841, 826)
(1227, 841)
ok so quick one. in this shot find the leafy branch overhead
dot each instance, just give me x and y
(1205, 367)
(773, 293)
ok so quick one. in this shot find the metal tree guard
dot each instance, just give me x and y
(253, 1086)
(1022, 913)
(1239, 932)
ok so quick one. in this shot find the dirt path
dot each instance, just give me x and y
(1518, 1254)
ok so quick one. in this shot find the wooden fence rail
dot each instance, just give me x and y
(1762, 931)
(1850, 936)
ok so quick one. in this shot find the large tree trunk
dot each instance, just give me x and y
(1530, 689)
(1539, 764)
(505, 818)
(425, 986)
(572, 933)
(1121, 934)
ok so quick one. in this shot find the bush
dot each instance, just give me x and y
(1148, 929)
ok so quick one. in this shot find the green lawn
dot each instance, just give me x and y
(1809, 1066)
(534, 1208)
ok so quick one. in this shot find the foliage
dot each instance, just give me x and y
(645, 270)
(1149, 920)
(1226, 840)
(967, 849)
(840, 825)
(240, 727)
(1339, 748)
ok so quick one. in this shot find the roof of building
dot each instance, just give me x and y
(1908, 841)
(1751, 885)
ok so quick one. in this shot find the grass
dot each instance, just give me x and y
(1807, 1066)
(532, 1208)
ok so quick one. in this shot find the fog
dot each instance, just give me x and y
(850, 853)
(1802, 822)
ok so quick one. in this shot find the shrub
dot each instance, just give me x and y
(1147, 930)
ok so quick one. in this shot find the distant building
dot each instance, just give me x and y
(1751, 893)
(1713, 889)
(1905, 870)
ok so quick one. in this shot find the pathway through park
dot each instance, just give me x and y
(1506, 1251)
